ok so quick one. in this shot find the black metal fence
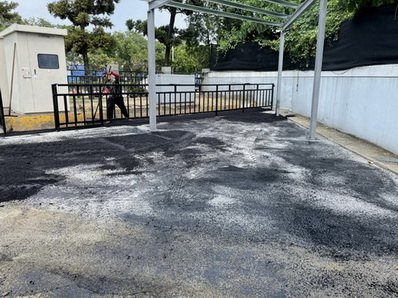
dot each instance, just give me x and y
(87, 104)
(2, 119)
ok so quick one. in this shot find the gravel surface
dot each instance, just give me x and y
(240, 205)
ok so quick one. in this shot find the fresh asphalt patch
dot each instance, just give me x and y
(240, 205)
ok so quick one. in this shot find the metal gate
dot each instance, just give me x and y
(84, 105)
(2, 119)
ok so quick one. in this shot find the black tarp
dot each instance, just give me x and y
(369, 39)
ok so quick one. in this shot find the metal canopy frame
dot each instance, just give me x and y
(222, 13)
(257, 14)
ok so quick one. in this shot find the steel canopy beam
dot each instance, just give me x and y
(151, 69)
(249, 8)
(283, 3)
(222, 13)
(303, 7)
(280, 70)
(157, 3)
(318, 68)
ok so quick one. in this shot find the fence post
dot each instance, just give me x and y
(229, 97)
(175, 100)
(100, 108)
(257, 97)
(243, 99)
(55, 104)
(2, 120)
(216, 100)
(272, 95)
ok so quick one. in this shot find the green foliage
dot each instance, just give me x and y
(168, 35)
(137, 26)
(72, 58)
(161, 33)
(300, 40)
(38, 22)
(169, 38)
(7, 16)
(190, 59)
(99, 59)
(130, 51)
(189, 55)
(82, 13)
(230, 32)
(302, 36)
(201, 29)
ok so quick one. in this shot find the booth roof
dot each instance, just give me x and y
(32, 29)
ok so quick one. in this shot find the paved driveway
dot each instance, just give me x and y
(241, 205)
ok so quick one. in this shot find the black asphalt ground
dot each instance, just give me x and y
(240, 205)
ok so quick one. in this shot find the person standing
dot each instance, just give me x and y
(115, 95)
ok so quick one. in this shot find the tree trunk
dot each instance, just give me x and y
(170, 35)
(86, 63)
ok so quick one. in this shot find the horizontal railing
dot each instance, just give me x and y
(77, 105)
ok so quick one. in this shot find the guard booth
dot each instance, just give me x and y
(32, 58)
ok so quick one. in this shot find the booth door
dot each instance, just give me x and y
(45, 52)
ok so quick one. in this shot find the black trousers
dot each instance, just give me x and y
(111, 101)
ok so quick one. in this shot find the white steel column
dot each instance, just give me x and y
(318, 68)
(280, 69)
(151, 69)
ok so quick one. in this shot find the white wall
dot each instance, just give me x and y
(362, 101)
(169, 79)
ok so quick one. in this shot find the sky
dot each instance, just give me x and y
(125, 9)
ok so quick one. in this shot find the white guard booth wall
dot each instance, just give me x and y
(3, 74)
(34, 59)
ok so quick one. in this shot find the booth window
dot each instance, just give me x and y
(48, 61)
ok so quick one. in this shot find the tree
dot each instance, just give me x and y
(201, 29)
(99, 59)
(83, 13)
(169, 38)
(300, 40)
(7, 16)
(131, 51)
(188, 59)
(168, 35)
(302, 36)
(190, 54)
(38, 22)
